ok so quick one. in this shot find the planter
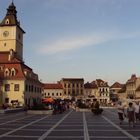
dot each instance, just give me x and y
(97, 111)
(83, 110)
(40, 112)
(12, 110)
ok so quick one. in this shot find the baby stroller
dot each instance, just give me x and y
(96, 108)
(97, 111)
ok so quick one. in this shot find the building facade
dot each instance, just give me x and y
(132, 86)
(90, 90)
(73, 87)
(122, 96)
(19, 84)
(52, 90)
(114, 89)
(98, 89)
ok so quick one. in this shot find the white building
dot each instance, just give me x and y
(52, 90)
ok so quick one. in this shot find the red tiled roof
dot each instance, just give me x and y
(52, 86)
(19, 67)
(132, 79)
(90, 85)
(100, 83)
(123, 89)
(72, 79)
(19, 72)
(117, 85)
(4, 58)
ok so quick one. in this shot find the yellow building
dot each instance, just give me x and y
(73, 87)
(19, 84)
(98, 89)
(122, 96)
(90, 90)
(132, 87)
(114, 89)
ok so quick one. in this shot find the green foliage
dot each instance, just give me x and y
(38, 107)
(81, 105)
(97, 111)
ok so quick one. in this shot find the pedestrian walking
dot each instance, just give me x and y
(120, 109)
(137, 111)
(131, 114)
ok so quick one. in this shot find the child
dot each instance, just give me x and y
(131, 114)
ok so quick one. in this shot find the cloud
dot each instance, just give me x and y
(65, 44)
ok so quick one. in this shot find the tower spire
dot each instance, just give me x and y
(11, 16)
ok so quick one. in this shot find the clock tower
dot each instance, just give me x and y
(11, 34)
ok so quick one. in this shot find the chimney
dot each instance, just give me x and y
(11, 55)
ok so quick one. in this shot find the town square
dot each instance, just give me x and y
(69, 125)
(85, 91)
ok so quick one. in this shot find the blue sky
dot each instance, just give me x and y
(87, 39)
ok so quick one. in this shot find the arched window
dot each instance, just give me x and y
(1, 68)
(7, 72)
(13, 72)
(7, 21)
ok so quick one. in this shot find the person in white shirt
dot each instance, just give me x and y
(137, 111)
(120, 110)
(131, 114)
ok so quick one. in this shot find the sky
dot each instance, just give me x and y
(88, 39)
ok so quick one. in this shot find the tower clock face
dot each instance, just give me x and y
(5, 33)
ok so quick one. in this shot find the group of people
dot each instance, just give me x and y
(95, 108)
(58, 106)
(131, 112)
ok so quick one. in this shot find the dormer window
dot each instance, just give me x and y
(7, 21)
(25, 72)
(13, 72)
(1, 68)
(7, 72)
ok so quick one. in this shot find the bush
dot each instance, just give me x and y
(97, 111)
(38, 107)
(81, 105)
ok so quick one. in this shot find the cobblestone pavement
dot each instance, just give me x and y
(70, 125)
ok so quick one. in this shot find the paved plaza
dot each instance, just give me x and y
(70, 125)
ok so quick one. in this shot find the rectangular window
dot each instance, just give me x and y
(16, 87)
(6, 100)
(7, 87)
(26, 88)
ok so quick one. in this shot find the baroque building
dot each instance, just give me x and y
(132, 87)
(114, 89)
(73, 88)
(98, 89)
(18, 83)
